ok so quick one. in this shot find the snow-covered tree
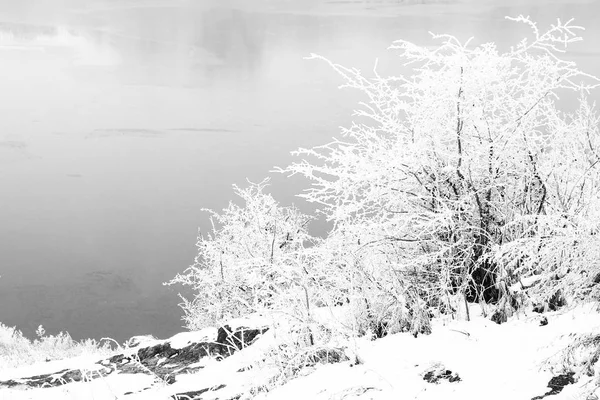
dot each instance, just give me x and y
(464, 173)
(252, 260)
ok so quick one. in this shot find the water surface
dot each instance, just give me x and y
(119, 121)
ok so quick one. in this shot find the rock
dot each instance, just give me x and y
(141, 340)
(57, 378)
(543, 321)
(438, 372)
(195, 393)
(237, 339)
(557, 383)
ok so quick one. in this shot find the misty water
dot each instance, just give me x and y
(119, 121)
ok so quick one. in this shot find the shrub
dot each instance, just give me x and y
(253, 260)
(16, 350)
(463, 176)
(451, 185)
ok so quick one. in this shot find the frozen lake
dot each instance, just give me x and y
(120, 120)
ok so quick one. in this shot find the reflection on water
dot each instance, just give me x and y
(119, 121)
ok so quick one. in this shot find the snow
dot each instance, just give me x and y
(99, 389)
(252, 320)
(525, 283)
(83, 362)
(507, 361)
(184, 339)
(494, 361)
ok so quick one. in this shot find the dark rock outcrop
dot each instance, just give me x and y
(557, 383)
(438, 373)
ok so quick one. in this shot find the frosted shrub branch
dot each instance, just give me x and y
(453, 169)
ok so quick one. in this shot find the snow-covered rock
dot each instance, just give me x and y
(150, 368)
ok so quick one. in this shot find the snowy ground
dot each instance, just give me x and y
(509, 361)
(493, 361)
